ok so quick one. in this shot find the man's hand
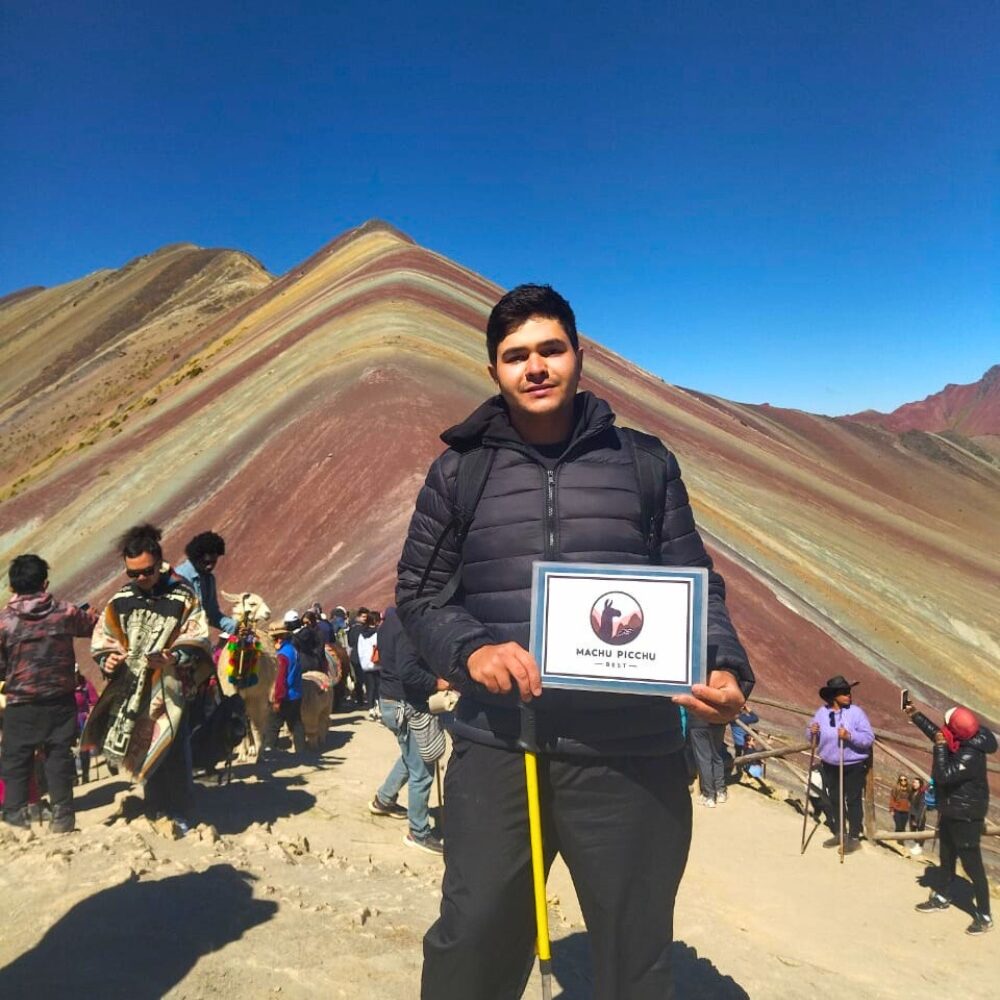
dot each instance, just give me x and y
(111, 663)
(442, 685)
(499, 668)
(844, 734)
(814, 729)
(161, 660)
(718, 701)
(939, 737)
(910, 709)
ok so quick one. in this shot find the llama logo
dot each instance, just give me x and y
(616, 618)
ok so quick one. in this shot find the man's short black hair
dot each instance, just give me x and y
(521, 304)
(140, 539)
(208, 543)
(28, 574)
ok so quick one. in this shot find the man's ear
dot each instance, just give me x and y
(492, 369)
(579, 360)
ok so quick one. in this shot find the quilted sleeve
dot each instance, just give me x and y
(681, 545)
(444, 637)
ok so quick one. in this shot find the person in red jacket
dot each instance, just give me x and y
(38, 668)
(286, 703)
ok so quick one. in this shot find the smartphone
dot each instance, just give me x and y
(904, 699)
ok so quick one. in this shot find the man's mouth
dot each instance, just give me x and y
(537, 390)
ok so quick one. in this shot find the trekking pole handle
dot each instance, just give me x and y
(528, 740)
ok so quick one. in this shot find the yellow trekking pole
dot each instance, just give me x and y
(542, 946)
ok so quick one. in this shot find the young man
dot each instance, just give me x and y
(152, 644)
(842, 729)
(959, 773)
(615, 803)
(203, 554)
(38, 668)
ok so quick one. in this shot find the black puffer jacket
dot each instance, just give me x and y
(584, 509)
(960, 777)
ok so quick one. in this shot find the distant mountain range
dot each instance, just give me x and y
(971, 410)
(298, 414)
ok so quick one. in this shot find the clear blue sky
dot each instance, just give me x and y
(788, 202)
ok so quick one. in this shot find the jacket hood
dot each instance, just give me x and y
(31, 606)
(984, 741)
(490, 423)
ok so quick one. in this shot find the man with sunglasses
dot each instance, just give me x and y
(150, 642)
(844, 734)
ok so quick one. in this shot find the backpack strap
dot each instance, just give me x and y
(649, 459)
(473, 470)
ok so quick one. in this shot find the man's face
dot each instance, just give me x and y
(206, 563)
(143, 570)
(843, 699)
(537, 371)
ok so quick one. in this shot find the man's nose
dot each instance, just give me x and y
(536, 368)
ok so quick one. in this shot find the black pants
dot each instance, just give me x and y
(959, 840)
(854, 788)
(373, 680)
(623, 826)
(900, 818)
(51, 727)
(289, 713)
(169, 790)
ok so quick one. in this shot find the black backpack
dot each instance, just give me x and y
(649, 459)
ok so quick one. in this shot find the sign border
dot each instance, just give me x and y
(697, 578)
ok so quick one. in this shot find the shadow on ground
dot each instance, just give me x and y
(232, 808)
(137, 940)
(93, 795)
(693, 976)
(961, 892)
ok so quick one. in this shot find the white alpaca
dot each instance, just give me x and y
(257, 699)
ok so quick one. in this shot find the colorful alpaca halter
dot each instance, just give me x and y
(243, 655)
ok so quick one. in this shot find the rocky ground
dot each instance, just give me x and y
(291, 888)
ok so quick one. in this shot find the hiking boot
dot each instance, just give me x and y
(63, 819)
(379, 808)
(708, 801)
(935, 904)
(851, 845)
(721, 798)
(17, 818)
(832, 842)
(432, 843)
(981, 924)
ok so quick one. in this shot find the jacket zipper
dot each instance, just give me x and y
(550, 513)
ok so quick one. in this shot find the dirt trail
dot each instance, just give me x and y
(296, 891)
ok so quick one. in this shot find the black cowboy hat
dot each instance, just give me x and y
(836, 685)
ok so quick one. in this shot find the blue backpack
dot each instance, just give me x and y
(930, 796)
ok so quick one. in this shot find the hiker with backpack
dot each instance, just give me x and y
(406, 684)
(540, 471)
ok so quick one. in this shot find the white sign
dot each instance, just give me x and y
(632, 629)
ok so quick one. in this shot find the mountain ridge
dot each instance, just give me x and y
(847, 548)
